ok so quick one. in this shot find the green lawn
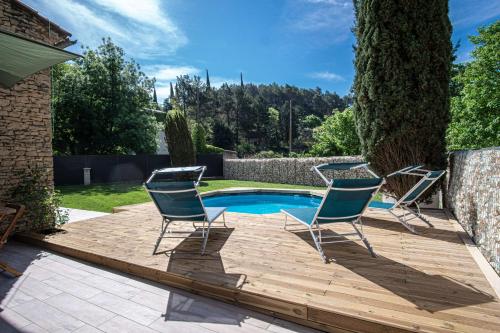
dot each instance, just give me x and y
(103, 198)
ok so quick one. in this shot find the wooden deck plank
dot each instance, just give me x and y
(426, 283)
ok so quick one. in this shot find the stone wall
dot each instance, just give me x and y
(25, 118)
(287, 170)
(473, 196)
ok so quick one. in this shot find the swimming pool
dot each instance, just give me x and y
(261, 203)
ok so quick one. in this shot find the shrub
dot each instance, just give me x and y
(213, 149)
(199, 137)
(42, 202)
(336, 136)
(401, 104)
(180, 145)
(267, 154)
(245, 149)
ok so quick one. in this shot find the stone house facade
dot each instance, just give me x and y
(25, 115)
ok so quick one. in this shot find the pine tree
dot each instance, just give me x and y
(403, 60)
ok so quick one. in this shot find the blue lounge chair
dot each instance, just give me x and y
(177, 199)
(335, 167)
(345, 200)
(411, 197)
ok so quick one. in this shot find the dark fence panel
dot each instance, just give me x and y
(68, 170)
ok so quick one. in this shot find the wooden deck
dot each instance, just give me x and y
(425, 283)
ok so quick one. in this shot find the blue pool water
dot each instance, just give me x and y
(261, 203)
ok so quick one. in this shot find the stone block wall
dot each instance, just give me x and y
(287, 170)
(25, 116)
(473, 196)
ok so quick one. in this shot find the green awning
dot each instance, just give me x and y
(20, 57)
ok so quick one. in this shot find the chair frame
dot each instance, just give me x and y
(357, 221)
(409, 213)
(168, 219)
(19, 211)
(355, 165)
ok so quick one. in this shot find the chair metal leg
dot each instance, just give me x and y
(224, 219)
(318, 246)
(421, 216)
(286, 220)
(404, 222)
(164, 226)
(363, 238)
(205, 238)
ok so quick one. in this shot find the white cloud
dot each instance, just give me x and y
(328, 76)
(146, 12)
(170, 72)
(162, 92)
(327, 21)
(218, 81)
(473, 12)
(141, 28)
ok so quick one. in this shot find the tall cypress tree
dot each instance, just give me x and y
(155, 98)
(180, 144)
(403, 61)
(208, 81)
(172, 94)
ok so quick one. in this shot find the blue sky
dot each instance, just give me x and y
(307, 43)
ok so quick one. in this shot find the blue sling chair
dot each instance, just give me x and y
(345, 201)
(177, 199)
(428, 178)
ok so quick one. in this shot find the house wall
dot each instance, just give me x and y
(473, 196)
(25, 116)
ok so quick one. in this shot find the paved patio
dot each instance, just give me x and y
(59, 294)
(418, 283)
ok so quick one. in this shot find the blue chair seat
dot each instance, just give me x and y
(381, 205)
(214, 212)
(303, 215)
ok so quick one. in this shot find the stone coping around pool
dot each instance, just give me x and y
(234, 190)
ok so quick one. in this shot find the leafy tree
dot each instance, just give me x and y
(311, 121)
(180, 145)
(222, 136)
(306, 127)
(475, 120)
(199, 138)
(336, 136)
(99, 105)
(403, 59)
(273, 117)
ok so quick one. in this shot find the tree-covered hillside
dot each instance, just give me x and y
(257, 116)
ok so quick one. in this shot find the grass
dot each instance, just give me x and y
(103, 198)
